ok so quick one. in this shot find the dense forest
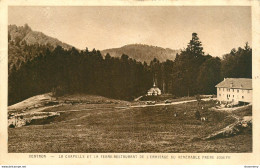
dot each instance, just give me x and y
(44, 68)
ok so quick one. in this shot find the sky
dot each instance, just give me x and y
(219, 28)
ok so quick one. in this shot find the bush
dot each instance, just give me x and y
(11, 126)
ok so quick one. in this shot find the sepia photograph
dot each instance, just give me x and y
(130, 79)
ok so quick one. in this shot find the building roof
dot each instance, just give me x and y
(154, 89)
(236, 83)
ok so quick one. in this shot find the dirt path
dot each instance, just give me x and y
(231, 109)
(173, 103)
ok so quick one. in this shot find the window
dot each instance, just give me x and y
(233, 96)
(237, 91)
(219, 94)
(233, 90)
(242, 97)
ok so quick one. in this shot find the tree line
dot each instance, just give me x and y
(73, 71)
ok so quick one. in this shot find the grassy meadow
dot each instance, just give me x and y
(148, 129)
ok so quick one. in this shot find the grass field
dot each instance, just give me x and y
(149, 129)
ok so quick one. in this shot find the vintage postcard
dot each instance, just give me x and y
(129, 82)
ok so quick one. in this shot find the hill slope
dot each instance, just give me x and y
(18, 34)
(141, 52)
(25, 44)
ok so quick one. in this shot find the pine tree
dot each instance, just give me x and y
(187, 65)
(195, 46)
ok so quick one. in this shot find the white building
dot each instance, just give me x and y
(235, 90)
(154, 91)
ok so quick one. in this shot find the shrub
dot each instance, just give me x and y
(11, 126)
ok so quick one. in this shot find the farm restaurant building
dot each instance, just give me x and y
(235, 90)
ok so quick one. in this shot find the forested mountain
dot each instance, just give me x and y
(142, 52)
(25, 44)
(19, 34)
(36, 69)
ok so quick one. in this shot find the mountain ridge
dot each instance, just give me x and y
(142, 52)
(20, 34)
(25, 44)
